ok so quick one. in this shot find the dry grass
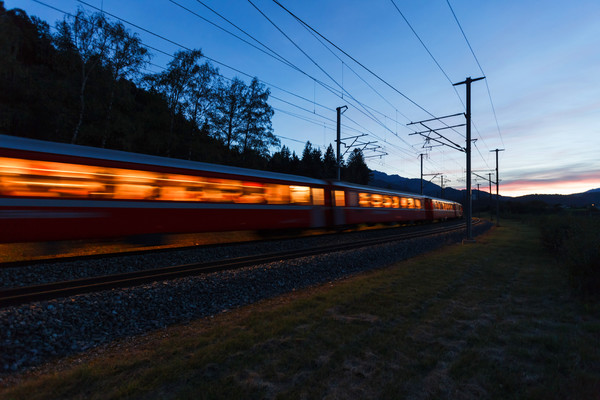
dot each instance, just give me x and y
(491, 320)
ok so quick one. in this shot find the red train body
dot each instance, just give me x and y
(54, 191)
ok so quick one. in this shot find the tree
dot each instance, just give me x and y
(201, 96)
(174, 83)
(87, 38)
(226, 116)
(281, 160)
(329, 163)
(30, 91)
(201, 93)
(356, 170)
(256, 132)
(125, 56)
(311, 163)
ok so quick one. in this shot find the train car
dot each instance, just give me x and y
(441, 210)
(56, 191)
(357, 204)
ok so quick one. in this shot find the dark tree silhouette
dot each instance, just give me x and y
(329, 163)
(86, 37)
(256, 132)
(174, 83)
(125, 56)
(226, 116)
(356, 170)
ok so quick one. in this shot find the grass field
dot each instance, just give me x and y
(490, 320)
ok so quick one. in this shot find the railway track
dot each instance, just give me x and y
(48, 291)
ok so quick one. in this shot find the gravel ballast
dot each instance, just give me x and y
(35, 333)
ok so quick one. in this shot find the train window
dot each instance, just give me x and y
(364, 199)
(300, 194)
(418, 203)
(318, 196)
(387, 201)
(410, 202)
(403, 202)
(275, 194)
(53, 179)
(339, 198)
(376, 200)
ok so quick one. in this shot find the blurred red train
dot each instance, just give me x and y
(55, 191)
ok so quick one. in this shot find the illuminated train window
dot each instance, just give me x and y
(318, 196)
(385, 201)
(31, 178)
(339, 198)
(440, 205)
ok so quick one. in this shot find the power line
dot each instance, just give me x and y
(353, 59)
(429, 52)
(235, 69)
(441, 69)
(481, 69)
(316, 64)
(286, 62)
(271, 53)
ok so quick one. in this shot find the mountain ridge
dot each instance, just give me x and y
(397, 182)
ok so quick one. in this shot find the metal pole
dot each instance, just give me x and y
(497, 189)
(421, 173)
(468, 204)
(442, 192)
(478, 203)
(339, 140)
(497, 192)
(490, 199)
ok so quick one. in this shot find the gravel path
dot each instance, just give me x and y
(35, 333)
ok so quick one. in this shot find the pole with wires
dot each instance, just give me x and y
(421, 155)
(338, 140)
(497, 188)
(469, 204)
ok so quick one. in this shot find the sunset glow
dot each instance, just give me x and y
(521, 188)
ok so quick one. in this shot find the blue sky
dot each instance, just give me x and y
(541, 61)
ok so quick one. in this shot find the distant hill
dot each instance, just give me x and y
(571, 200)
(396, 182)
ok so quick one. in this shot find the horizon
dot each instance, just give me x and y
(541, 77)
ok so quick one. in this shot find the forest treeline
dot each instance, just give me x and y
(83, 82)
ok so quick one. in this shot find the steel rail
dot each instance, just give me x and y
(48, 291)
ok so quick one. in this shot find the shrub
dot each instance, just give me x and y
(575, 240)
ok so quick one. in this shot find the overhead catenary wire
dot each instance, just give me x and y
(236, 70)
(480, 69)
(321, 68)
(354, 59)
(366, 111)
(428, 52)
(268, 51)
(170, 41)
(287, 62)
(442, 70)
